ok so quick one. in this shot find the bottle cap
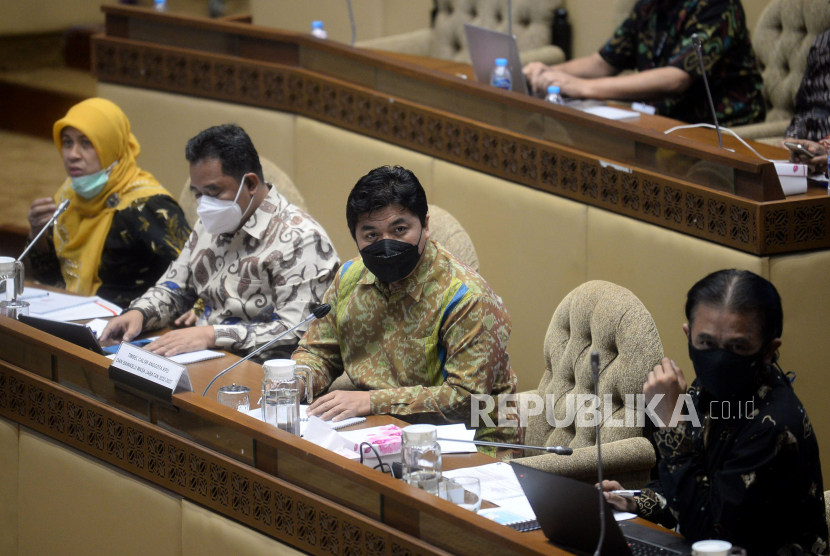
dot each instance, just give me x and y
(279, 369)
(501, 62)
(316, 24)
(553, 90)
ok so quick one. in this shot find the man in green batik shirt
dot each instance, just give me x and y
(417, 332)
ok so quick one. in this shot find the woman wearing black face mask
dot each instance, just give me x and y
(750, 473)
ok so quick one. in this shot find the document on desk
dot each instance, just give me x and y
(64, 307)
(498, 481)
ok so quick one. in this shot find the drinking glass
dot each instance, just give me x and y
(421, 457)
(464, 492)
(235, 396)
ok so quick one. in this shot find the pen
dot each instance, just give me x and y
(627, 493)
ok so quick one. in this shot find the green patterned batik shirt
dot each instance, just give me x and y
(423, 349)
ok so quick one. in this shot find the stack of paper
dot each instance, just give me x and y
(64, 307)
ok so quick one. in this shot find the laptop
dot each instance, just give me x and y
(485, 45)
(568, 513)
(79, 334)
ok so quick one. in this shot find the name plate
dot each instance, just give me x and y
(149, 373)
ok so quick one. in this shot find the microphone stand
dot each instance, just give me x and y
(351, 22)
(13, 272)
(595, 373)
(699, 51)
(319, 312)
(559, 450)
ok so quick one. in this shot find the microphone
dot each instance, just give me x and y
(510, 17)
(699, 51)
(58, 211)
(317, 313)
(559, 450)
(595, 374)
(351, 22)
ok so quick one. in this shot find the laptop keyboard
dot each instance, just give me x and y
(643, 549)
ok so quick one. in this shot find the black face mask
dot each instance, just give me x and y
(726, 375)
(391, 260)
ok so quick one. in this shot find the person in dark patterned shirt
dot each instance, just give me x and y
(745, 465)
(122, 229)
(656, 42)
(810, 125)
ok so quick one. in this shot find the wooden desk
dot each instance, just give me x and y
(246, 470)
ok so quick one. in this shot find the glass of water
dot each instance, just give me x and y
(464, 492)
(235, 396)
(421, 457)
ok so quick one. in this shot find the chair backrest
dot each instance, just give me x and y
(273, 175)
(446, 230)
(532, 20)
(783, 37)
(610, 319)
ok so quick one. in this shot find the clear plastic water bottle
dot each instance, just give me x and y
(554, 96)
(281, 394)
(160, 5)
(500, 76)
(318, 31)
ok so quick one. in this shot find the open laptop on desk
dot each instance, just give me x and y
(485, 45)
(568, 513)
(79, 334)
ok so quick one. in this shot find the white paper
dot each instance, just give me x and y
(88, 310)
(518, 505)
(623, 516)
(457, 432)
(320, 433)
(612, 113)
(54, 301)
(498, 481)
(97, 326)
(196, 356)
(32, 293)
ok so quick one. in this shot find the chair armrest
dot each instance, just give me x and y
(763, 130)
(620, 457)
(549, 55)
(414, 42)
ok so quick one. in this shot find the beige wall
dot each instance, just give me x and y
(594, 21)
(373, 18)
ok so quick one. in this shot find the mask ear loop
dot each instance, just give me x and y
(242, 183)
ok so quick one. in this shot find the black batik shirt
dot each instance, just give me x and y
(143, 240)
(754, 479)
(658, 33)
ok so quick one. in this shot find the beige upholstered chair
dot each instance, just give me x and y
(447, 231)
(782, 39)
(532, 20)
(610, 319)
(272, 174)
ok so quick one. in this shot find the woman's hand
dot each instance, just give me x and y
(40, 212)
(817, 159)
(618, 502)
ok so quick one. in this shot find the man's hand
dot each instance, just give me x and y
(666, 378)
(40, 211)
(183, 341)
(618, 502)
(339, 405)
(818, 160)
(186, 320)
(122, 328)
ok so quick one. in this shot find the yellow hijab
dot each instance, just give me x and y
(80, 232)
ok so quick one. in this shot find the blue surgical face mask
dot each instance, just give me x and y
(91, 185)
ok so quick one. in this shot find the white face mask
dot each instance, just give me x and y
(220, 216)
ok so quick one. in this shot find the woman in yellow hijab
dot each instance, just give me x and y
(122, 229)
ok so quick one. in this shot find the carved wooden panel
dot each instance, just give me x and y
(274, 507)
(761, 229)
